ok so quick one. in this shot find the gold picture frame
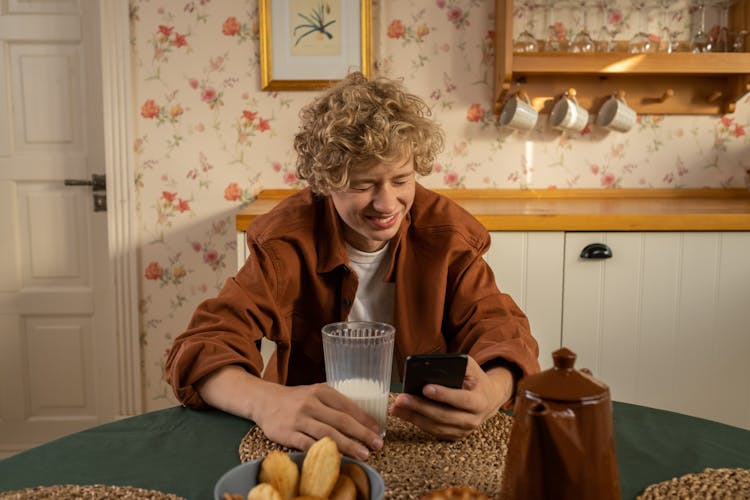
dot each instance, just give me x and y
(284, 65)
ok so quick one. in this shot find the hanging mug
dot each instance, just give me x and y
(615, 114)
(568, 115)
(518, 113)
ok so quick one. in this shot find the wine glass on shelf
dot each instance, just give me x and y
(606, 37)
(700, 41)
(582, 41)
(556, 38)
(722, 40)
(671, 38)
(641, 42)
(526, 41)
(738, 44)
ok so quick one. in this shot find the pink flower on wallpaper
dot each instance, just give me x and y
(739, 130)
(232, 192)
(440, 4)
(231, 26)
(615, 16)
(149, 109)
(249, 115)
(193, 83)
(183, 205)
(208, 94)
(168, 196)
(726, 121)
(595, 169)
(210, 256)
(475, 113)
(450, 178)
(196, 246)
(558, 29)
(586, 130)
(276, 166)
(290, 177)
(165, 31)
(263, 124)
(179, 40)
(153, 271)
(422, 31)
(608, 179)
(216, 63)
(396, 29)
(437, 168)
(455, 14)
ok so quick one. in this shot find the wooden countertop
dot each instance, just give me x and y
(582, 209)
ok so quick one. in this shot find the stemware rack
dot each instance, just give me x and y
(653, 83)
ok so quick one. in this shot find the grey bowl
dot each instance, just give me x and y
(242, 478)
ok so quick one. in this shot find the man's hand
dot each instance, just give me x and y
(454, 413)
(295, 416)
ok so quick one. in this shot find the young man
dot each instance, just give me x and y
(363, 241)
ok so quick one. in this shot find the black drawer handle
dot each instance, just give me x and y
(596, 251)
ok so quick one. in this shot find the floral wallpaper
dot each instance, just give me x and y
(208, 139)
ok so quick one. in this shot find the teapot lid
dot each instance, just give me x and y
(564, 383)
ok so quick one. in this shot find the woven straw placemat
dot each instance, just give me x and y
(86, 492)
(414, 463)
(711, 484)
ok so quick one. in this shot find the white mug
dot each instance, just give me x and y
(567, 114)
(518, 113)
(615, 114)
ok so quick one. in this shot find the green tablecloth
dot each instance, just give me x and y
(183, 451)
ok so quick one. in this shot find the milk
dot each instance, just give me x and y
(369, 395)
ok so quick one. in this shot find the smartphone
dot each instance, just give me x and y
(443, 369)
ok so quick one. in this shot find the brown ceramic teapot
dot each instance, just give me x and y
(562, 442)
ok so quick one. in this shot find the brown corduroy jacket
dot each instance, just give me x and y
(296, 280)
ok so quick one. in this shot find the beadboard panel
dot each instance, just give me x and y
(663, 322)
(528, 266)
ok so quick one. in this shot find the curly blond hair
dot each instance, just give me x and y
(358, 123)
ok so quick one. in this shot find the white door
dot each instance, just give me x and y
(59, 367)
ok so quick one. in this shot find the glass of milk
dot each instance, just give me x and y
(358, 357)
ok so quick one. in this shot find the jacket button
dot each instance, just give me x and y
(347, 302)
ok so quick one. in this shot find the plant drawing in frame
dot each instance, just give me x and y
(308, 44)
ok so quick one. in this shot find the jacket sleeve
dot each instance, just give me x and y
(226, 330)
(484, 322)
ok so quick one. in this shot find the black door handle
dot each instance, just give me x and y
(596, 251)
(97, 182)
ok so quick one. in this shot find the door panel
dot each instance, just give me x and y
(58, 359)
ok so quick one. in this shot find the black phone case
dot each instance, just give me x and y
(443, 369)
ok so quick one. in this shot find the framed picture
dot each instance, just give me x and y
(307, 44)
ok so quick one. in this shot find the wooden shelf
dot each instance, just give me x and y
(681, 63)
(658, 83)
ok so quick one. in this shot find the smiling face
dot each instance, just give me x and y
(375, 203)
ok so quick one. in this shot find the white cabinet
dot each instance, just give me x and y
(529, 267)
(665, 322)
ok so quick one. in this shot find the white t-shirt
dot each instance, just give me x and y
(374, 299)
